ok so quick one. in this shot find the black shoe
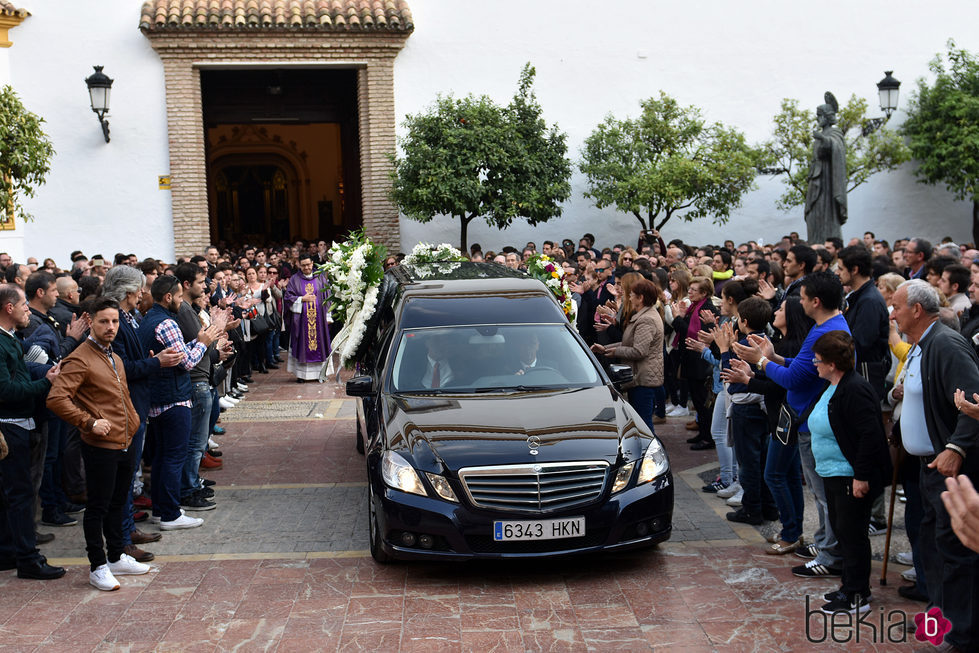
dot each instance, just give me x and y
(197, 502)
(215, 452)
(911, 593)
(209, 483)
(44, 538)
(834, 595)
(273, 366)
(744, 518)
(841, 603)
(205, 492)
(695, 438)
(57, 518)
(247, 380)
(279, 360)
(703, 445)
(812, 569)
(300, 380)
(263, 371)
(771, 515)
(73, 508)
(236, 394)
(40, 571)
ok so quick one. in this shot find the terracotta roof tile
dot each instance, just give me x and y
(9, 9)
(319, 15)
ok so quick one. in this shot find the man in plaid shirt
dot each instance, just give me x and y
(169, 416)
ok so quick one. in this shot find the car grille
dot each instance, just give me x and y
(534, 488)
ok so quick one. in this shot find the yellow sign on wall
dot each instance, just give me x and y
(164, 182)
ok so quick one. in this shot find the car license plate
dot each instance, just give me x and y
(542, 529)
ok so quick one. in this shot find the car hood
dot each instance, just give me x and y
(451, 432)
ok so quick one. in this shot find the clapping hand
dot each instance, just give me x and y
(724, 336)
(707, 317)
(754, 350)
(695, 345)
(765, 289)
(739, 372)
(965, 406)
(962, 503)
(678, 309)
(705, 337)
(614, 289)
(79, 324)
(170, 357)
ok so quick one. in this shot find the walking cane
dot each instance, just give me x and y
(890, 516)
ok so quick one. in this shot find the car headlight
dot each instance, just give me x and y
(397, 473)
(654, 462)
(442, 487)
(622, 477)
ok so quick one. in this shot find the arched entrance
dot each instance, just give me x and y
(198, 42)
(254, 198)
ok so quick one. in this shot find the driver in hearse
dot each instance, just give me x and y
(527, 358)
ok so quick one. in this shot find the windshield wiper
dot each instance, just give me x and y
(515, 388)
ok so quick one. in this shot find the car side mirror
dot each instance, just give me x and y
(620, 375)
(360, 386)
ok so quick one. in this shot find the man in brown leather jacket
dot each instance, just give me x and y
(91, 394)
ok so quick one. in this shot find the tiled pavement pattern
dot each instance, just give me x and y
(281, 565)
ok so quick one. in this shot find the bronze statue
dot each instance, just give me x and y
(826, 194)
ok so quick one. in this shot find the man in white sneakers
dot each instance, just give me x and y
(91, 394)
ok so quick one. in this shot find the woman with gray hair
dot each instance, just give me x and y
(120, 281)
(125, 285)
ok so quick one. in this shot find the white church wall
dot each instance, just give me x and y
(99, 197)
(734, 60)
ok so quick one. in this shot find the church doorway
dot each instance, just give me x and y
(282, 150)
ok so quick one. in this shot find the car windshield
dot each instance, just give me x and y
(510, 358)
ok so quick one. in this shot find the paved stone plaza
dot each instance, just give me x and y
(282, 565)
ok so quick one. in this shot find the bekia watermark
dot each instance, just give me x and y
(875, 626)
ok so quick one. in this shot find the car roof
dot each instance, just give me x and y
(457, 273)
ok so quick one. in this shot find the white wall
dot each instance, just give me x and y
(11, 241)
(99, 197)
(735, 60)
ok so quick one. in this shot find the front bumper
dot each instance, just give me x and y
(638, 517)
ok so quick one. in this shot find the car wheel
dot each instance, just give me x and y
(374, 530)
(360, 438)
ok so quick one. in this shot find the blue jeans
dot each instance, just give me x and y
(641, 398)
(783, 475)
(272, 346)
(135, 455)
(17, 541)
(200, 422)
(215, 411)
(824, 537)
(52, 495)
(718, 431)
(659, 401)
(749, 428)
(170, 432)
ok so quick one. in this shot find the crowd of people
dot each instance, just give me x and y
(851, 367)
(820, 361)
(115, 377)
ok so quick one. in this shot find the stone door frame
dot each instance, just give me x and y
(185, 54)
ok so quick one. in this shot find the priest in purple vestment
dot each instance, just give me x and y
(309, 337)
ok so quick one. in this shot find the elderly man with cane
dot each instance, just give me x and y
(940, 362)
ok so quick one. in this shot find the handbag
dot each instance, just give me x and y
(787, 429)
(259, 326)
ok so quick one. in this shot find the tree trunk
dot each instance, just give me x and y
(975, 221)
(641, 221)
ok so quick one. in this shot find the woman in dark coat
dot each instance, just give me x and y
(850, 449)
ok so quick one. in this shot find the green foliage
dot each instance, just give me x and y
(469, 157)
(25, 153)
(790, 150)
(668, 160)
(943, 125)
